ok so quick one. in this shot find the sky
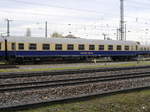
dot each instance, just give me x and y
(82, 18)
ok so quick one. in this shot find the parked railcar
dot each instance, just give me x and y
(23, 49)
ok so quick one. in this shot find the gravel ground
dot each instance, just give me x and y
(28, 96)
(68, 76)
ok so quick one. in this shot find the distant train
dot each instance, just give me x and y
(32, 49)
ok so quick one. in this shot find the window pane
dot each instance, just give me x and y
(101, 47)
(46, 46)
(91, 47)
(70, 47)
(58, 46)
(81, 47)
(127, 48)
(13, 46)
(119, 48)
(110, 47)
(21, 46)
(32, 46)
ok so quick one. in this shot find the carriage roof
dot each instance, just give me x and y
(22, 39)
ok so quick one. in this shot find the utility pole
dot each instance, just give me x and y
(8, 27)
(46, 29)
(121, 19)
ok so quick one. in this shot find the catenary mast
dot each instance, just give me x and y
(122, 20)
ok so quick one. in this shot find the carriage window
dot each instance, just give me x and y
(81, 47)
(126, 48)
(13, 46)
(110, 47)
(21, 46)
(119, 48)
(58, 46)
(91, 47)
(46, 46)
(32, 46)
(70, 47)
(101, 47)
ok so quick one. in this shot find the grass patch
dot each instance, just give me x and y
(144, 63)
(128, 102)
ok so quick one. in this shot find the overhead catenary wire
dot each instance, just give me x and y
(58, 6)
(55, 6)
(143, 2)
(75, 9)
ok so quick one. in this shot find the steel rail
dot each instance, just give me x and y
(8, 75)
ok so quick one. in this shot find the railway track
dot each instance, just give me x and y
(37, 85)
(69, 99)
(69, 82)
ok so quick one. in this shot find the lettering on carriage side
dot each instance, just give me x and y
(90, 53)
(86, 53)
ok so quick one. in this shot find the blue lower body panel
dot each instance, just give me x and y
(73, 53)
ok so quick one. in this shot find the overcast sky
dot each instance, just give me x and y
(84, 18)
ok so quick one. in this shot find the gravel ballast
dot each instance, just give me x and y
(33, 96)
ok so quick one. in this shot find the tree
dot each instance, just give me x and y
(57, 35)
(70, 36)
